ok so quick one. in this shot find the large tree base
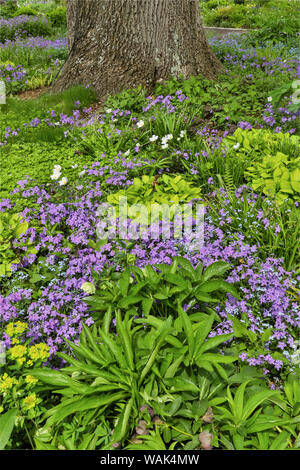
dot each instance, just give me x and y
(121, 44)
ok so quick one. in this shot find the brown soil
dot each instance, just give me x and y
(31, 94)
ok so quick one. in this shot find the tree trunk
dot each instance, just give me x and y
(120, 44)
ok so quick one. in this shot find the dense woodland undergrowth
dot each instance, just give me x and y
(149, 343)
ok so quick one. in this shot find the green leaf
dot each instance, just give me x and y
(238, 402)
(203, 329)
(40, 445)
(130, 300)
(219, 358)
(124, 282)
(175, 406)
(216, 269)
(280, 442)
(186, 264)
(111, 343)
(7, 422)
(238, 441)
(20, 229)
(122, 425)
(181, 384)
(176, 279)
(214, 342)
(51, 377)
(255, 400)
(188, 329)
(163, 331)
(264, 422)
(147, 304)
(59, 412)
(124, 335)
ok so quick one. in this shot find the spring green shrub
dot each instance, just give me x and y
(252, 145)
(58, 17)
(8, 9)
(25, 10)
(276, 176)
(151, 190)
(24, 26)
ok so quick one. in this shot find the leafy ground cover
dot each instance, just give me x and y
(144, 342)
(275, 18)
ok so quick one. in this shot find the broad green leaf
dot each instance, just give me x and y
(111, 343)
(188, 329)
(203, 329)
(124, 336)
(215, 270)
(40, 445)
(255, 400)
(222, 359)
(123, 422)
(280, 442)
(124, 282)
(51, 377)
(214, 342)
(238, 402)
(7, 422)
(59, 412)
(181, 384)
(147, 304)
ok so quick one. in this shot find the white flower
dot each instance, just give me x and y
(88, 288)
(126, 153)
(55, 175)
(63, 181)
(81, 173)
(236, 146)
(57, 123)
(166, 139)
(140, 124)
(75, 166)
(57, 167)
(182, 133)
(270, 99)
(153, 138)
(164, 146)
(108, 111)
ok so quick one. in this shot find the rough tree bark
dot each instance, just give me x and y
(120, 44)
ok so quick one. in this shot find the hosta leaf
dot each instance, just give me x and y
(215, 270)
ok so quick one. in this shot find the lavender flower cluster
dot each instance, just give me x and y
(62, 232)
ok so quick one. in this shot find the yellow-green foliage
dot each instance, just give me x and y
(276, 176)
(11, 228)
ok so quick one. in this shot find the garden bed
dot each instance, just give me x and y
(150, 342)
